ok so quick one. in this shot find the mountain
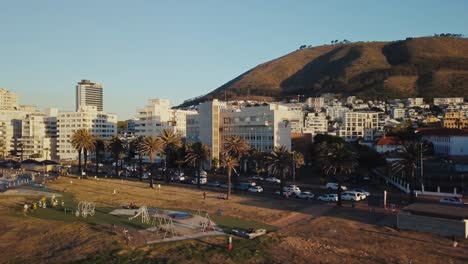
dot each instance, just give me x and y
(426, 67)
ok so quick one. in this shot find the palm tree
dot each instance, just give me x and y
(409, 157)
(229, 163)
(298, 162)
(237, 148)
(83, 142)
(115, 147)
(151, 146)
(337, 160)
(99, 146)
(197, 153)
(171, 142)
(135, 147)
(280, 163)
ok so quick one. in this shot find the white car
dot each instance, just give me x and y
(293, 189)
(451, 200)
(255, 189)
(351, 196)
(305, 195)
(328, 198)
(273, 179)
(366, 193)
(334, 186)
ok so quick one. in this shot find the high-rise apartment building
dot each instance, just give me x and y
(357, 125)
(262, 126)
(100, 124)
(89, 93)
(157, 115)
(8, 100)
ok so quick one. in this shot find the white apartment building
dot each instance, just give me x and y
(450, 142)
(89, 93)
(398, 113)
(315, 102)
(448, 100)
(359, 125)
(262, 126)
(350, 100)
(38, 139)
(417, 101)
(8, 100)
(295, 117)
(316, 123)
(10, 130)
(335, 112)
(100, 124)
(157, 115)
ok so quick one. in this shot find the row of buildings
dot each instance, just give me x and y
(26, 132)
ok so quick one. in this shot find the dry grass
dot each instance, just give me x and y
(343, 236)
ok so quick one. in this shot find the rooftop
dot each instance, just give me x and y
(442, 131)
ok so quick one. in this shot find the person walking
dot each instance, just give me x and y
(204, 195)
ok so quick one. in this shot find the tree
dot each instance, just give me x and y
(258, 157)
(151, 146)
(280, 164)
(298, 162)
(236, 147)
(116, 148)
(99, 147)
(337, 160)
(135, 147)
(197, 153)
(171, 143)
(83, 142)
(229, 163)
(409, 156)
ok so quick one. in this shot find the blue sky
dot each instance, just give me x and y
(182, 49)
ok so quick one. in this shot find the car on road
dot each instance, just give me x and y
(328, 197)
(451, 200)
(255, 189)
(225, 186)
(334, 186)
(202, 181)
(243, 186)
(257, 178)
(305, 195)
(366, 193)
(273, 179)
(351, 196)
(293, 189)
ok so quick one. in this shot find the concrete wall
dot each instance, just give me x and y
(439, 226)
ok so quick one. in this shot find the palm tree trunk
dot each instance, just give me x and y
(283, 177)
(411, 187)
(85, 154)
(229, 172)
(152, 175)
(140, 167)
(166, 174)
(116, 166)
(79, 161)
(97, 162)
(199, 175)
(339, 202)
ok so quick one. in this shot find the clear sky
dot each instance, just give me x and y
(181, 49)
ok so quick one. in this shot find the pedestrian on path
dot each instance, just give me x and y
(204, 195)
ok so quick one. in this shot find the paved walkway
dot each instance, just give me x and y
(27, 192)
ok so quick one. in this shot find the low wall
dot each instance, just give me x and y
(439, 226)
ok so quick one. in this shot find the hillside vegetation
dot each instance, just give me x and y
(427, 67)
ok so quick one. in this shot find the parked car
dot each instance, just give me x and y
(243, 186)
(225, 186)
(334, 186)
(351, 196)
(273, 179)
(213, 184)
(257, 177)
(305, 195)
(366, 193)
(328, 197)
(451, 200)
(255, 189)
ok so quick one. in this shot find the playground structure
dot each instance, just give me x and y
(143, 211)
(168, 225)
(85, 209)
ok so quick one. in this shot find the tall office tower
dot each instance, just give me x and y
(8, 100)
(89, 93)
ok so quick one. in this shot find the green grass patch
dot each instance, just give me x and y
(100, 217)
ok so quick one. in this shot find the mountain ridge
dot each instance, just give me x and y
(424, 67)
